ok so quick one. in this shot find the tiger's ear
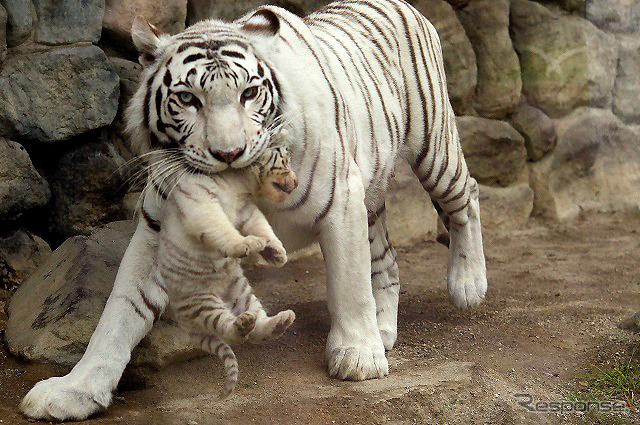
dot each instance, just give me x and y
(263, 21)
(146, 39)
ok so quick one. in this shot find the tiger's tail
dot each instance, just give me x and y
(214, 345)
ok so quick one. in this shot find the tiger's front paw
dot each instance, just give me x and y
(60, 399)
(274, 253)
(356, 359)
(247, 246)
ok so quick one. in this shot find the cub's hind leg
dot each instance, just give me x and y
(214, 345)
(385, 278)
(241, 297)
(208, 314)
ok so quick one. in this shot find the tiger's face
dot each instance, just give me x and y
(205, 95)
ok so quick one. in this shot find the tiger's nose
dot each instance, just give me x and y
(227, 156)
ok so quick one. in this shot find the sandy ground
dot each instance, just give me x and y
(555, 296)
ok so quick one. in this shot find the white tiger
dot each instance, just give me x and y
(356, 84)
(208, 223)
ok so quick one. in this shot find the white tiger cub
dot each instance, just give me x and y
(206, 222)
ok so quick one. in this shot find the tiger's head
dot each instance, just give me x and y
(205, 95)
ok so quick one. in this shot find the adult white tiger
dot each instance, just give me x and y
(357, 83)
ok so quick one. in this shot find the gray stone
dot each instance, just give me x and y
(626, 92)
(129, 75)
(486, 22)
(68, 21)
(3, 33)
(55, 94)
(87, 189)
(21, 187)
(619, 16)
(53, 314)
(459, 57)
(593, 168)
(537, 128)
(577, 7)
(130, 204)
(494, 150)
(119, 16)
(631, 324)
(411, 217)
(21, 252)
(504, 208)
(566, 61)
(19, 21)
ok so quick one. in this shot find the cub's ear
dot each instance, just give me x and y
(263, 21)
(145, 38)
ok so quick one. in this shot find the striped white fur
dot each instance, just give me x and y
(207, 223)
(358, 83)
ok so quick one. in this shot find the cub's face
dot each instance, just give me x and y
(205, 97)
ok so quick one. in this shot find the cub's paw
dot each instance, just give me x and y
(244, 324)
(274, 254)
(357, 363)
(282, 321)
(248, 245)
(56, 399)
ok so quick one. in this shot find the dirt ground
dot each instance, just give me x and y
(555, 296)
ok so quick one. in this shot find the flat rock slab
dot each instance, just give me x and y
(53, 314)
(55, 94)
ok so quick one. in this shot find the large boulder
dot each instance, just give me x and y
(87, 189)
(620, 16)
(594, 167)
(459, 57)
(119, 16)
(21, 252)
(626, 93)
(55, 94)
(505, 208)
(53, 314)
(537, 128)
(21, 187)
(494, 150)
(19, 21)
(411, 217)
(566, 61)
(486, 22)
(68, 21)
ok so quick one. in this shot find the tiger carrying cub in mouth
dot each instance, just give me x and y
(356, 84)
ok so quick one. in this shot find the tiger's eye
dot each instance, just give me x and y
(250, 93)
(185, 97)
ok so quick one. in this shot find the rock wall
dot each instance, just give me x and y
(547, 93)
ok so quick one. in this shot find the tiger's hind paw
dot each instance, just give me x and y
(244, 324)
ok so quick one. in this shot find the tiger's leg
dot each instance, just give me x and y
(210, 315)
(354, 348)
(241, 297)
(217, 347)
(136, 301)
(385, 278)
(444, 175)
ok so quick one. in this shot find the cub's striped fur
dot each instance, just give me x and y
(206, 222)
(356, 85)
